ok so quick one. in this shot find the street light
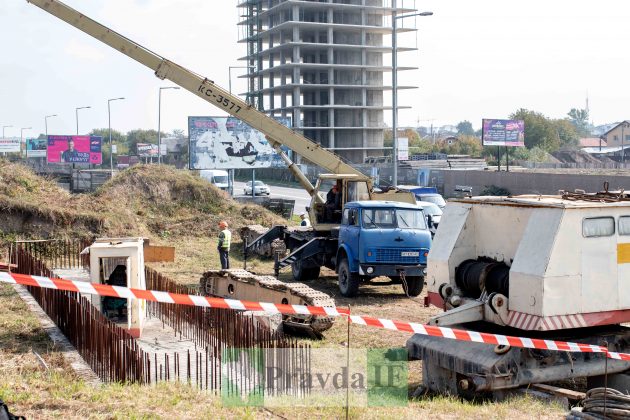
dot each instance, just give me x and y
(22, 135)
(159, 121)
(76, 110)
(46, 123)
(231, 171)
(111, 149)
(3, 127)
(395, 84)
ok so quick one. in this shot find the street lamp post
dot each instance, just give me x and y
(46, 123)
(76, 111)
(3, 127)
(159, 121)
(231, 171)
(395, 84)
(22, 136)
(111, 149)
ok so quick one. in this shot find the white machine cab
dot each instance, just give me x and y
(556, 263)
(119, 262)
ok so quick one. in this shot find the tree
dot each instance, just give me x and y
(579, 119)
(465, 128)
(464, 145)
(540, 131)
(567, 133)
(411, 134)
(117, 136)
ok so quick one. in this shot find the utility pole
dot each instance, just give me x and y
(395, 17)
(159, 121)
(111, 149)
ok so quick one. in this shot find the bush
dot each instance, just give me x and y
(494, 190)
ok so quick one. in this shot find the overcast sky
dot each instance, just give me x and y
(477, 59)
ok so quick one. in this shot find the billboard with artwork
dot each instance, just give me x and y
(9, 145)
(36, 148)
(503, 133)
(228, 143)
(74, 149)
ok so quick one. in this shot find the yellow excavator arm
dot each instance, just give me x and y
(204, 88)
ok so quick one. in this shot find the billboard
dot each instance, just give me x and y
(36, 148)
(74, 149)
(503, 133)
(147, 150)
(10, 145)
(229, 143)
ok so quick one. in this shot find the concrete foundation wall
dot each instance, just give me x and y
(530, 183)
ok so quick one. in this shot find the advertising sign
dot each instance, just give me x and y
(503, 133)
(74, 149)
(147, 150)
(36, 148)
(10, 145)
(229, 143)
(403, 148)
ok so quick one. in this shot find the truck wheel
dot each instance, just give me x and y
(348, 282)
(415, 285)
(301, 273)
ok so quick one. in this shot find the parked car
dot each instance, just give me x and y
(260, 188)
(433, 213)
(432, 198)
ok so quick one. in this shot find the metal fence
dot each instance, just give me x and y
(110, 351)
(218, 335)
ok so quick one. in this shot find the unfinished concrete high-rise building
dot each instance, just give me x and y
(326, 64)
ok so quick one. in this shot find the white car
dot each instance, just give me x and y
(259, 187)
(433, 210)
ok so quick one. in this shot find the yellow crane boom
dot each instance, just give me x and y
(204, 88)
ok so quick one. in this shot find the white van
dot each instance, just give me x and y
(217, 177)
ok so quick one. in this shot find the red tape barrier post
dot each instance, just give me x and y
(274, 308)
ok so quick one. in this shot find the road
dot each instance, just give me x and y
(300, 196)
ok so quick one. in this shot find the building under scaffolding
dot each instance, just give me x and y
(325, 64)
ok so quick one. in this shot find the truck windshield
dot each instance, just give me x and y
(220, 179)
(391, 218)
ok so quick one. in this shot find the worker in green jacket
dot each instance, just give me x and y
(225, 238)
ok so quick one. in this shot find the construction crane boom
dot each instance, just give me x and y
(204, 88)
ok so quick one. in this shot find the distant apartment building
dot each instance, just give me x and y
(325, 64)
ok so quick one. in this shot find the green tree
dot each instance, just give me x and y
(465, 128)
(579, 119)
(567, 133)
(464, 145)
(540, 131)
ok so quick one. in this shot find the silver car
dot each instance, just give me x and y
(259, 187)
(433, 210)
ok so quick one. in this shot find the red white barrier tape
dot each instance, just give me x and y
(213, 302)
(166, 297)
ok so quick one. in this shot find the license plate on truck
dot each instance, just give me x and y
(410, 254)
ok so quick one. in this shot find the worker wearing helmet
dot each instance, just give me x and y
(304, 220)
(225, 238)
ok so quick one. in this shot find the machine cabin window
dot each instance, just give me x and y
(594, 227)
(624, 225)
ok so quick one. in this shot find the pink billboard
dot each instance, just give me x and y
(74, 149)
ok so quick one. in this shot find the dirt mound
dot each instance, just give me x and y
(31, 205)
(150, 201)
(575, 156)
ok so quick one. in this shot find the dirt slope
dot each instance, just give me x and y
(150, 201)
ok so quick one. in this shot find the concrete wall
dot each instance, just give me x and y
(530, 183)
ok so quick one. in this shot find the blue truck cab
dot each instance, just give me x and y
(382, 238)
